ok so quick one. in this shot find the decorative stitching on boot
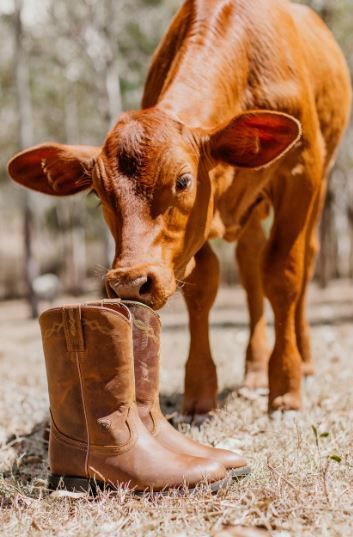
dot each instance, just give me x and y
(133, 305)
(92, 325)
(55, 329)
(147, 329)
(73, 329)
(95, 325)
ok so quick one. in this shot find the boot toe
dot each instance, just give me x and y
(230, 459)
(207, 470)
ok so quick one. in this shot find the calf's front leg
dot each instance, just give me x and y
(199, 292)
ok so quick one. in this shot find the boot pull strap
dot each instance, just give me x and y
(73, 329)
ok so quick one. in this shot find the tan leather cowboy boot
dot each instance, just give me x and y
(146, 338)
(97, 437)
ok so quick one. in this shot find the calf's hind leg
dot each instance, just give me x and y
(249, 252)
(312, 248)
(199, 292)
(283, 276)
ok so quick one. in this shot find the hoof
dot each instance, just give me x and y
(285, 403)
(200, 419)
(196, 420)
(198, 405)
(180, 419)
(252, 393)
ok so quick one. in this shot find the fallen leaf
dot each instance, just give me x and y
(58, 494)
(233, 444)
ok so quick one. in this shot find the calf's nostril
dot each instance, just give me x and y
(146, 288)
(132, 289)
(137, 283)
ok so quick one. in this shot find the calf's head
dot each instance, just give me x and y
(152, 175)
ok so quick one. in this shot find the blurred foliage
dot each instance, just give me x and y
(87, 61)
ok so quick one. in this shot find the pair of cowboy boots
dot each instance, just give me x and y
(107, 428)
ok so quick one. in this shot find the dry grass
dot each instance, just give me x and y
(302, 480)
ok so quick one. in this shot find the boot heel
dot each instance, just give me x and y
(71, 484)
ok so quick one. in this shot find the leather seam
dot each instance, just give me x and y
(109, 310)
(136, 305)
(67, 336)
(84, 412)
(63, 440)
(71, 442)
(155, 424)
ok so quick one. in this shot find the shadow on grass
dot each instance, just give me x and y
(27, 457)
(171, 404)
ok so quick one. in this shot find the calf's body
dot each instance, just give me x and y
(218, 59)
(182, 171)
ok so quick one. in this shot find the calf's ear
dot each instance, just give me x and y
(55, 169)
(255, 139)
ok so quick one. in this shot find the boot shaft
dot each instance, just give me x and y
(146, 331)
(146, 334)
(89, 361)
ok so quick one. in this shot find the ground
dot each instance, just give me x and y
(302, 469)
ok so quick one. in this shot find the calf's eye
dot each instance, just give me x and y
(183, 182)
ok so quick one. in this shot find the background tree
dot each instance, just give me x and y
(24, 122)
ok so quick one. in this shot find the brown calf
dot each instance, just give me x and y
(244, 107)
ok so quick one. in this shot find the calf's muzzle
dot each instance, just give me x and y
(147, 284)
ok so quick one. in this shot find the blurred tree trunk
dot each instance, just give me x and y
(111, 97)
(327, 266)
(73, 211)
(83, 24)
(113, 108)
(25, 139)
(350, 231)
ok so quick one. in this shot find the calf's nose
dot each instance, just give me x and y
(137, 289)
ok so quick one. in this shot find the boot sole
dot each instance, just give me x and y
(239, 473)
(81, 485)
